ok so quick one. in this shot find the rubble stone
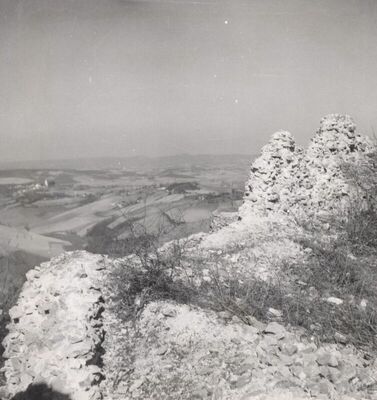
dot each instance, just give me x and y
(56, 328)
(286, 179)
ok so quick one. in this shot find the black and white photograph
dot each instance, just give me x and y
(188, 199)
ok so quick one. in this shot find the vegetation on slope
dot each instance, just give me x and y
(332, 293)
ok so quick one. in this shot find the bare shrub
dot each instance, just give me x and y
(343, 265)
(333, 271)
(243, 298)
(360, 224)
(303, 303)
(132, 235)
(361, 229)
(151, 273)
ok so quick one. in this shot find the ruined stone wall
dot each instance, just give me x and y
(55, 333)
(287, 179)
(221, 219)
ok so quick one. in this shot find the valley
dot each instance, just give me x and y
(73, 205)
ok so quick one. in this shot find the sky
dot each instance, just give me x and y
(99, 78)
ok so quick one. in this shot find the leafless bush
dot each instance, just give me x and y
(342, 265)
(360, 223)
(243, 298)
(360, 226)
(303, 303)
(132, 235)
(332, 270)
(362, 175)
(151, 273)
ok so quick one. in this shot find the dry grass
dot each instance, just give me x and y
(342, 265)
(150, 274)
(331, 270)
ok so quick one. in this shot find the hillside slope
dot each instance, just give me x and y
(276, 305)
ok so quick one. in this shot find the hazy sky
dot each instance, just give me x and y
(83, 78)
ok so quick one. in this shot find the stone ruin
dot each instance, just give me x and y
(56, 332)
(57, 329)
(290, 180)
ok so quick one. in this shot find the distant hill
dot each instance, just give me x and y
(137, 162)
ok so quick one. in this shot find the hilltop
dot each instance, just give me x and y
(277, 302)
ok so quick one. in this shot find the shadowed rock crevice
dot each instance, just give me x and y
(40, 392)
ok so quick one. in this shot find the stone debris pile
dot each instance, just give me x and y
(222, 219)
(55, 333)
(287, 179)
(181, 352)
(271, 180)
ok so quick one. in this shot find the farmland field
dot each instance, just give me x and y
(100, 205)
(48, 208)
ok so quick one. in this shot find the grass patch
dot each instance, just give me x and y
(340, 262)
(149, 275)
(330, 270)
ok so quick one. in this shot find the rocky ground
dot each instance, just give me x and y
(169, 351)
(72, 330)
(181, 352)
(190, 352)
(56, 330)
